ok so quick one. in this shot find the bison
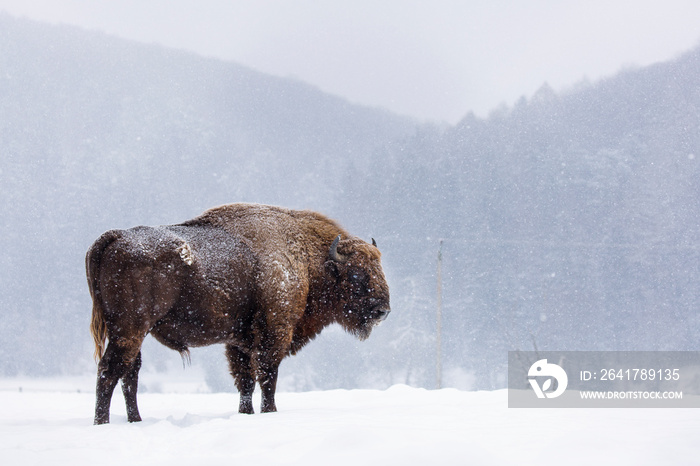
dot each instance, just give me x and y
(261, 280)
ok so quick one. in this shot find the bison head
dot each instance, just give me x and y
(360, 285)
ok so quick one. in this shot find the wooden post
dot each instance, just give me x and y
(438, 337)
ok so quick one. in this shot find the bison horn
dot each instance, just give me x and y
(374, 243)
(335, 255)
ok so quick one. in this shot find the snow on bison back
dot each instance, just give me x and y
(262, 280)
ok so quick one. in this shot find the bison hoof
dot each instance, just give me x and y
(246, 406)
(269, 409)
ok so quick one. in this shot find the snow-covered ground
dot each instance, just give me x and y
(50, 422)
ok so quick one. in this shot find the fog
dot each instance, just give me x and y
(433, 60)
(568, 219)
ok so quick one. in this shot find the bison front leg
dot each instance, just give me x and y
(274, 330)
(267, 362)
(268, 386)
(242, 372)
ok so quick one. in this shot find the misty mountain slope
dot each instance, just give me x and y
(122, 105)
(570, 221)
(98, 133)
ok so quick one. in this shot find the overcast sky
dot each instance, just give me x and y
(431, 59)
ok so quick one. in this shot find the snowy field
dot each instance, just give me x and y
(50, 422)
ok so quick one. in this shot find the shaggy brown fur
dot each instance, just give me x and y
(262, 280)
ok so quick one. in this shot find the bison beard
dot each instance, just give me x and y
(262, 280)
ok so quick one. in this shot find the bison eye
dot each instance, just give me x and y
(357, 277)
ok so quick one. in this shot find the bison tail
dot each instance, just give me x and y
(98, 327)
(98, 330)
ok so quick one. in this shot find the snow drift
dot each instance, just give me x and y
(51, 423)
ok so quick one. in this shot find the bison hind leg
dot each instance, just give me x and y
(117, 363)
(242, 373)
(130, 384)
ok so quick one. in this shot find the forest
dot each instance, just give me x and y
(568, 221)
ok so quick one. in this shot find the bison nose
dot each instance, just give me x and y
(382, 313)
